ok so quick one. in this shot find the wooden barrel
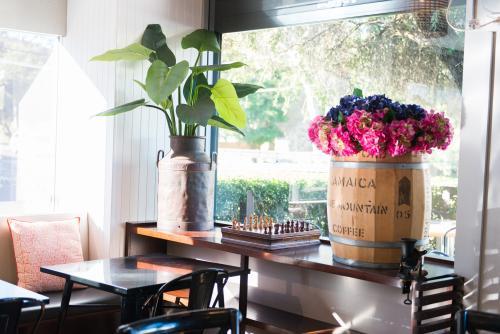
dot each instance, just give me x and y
(372, 204)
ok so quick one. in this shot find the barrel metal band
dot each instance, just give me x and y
(378, 165)
(362, 264)
(372, 244)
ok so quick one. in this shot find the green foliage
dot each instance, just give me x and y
(217, 105)
(271, 198)
(217, 67)
(154, 39)
(243, 90)
(161, 81)
(268, 116)
(444, 203)
(227, 105)
(201, 40)
(132, 52)
(357, 92)
(200, 113)
(221, 123)
(123, 108)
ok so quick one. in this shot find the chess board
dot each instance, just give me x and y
(272, 236)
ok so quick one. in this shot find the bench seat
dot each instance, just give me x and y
(91, 311)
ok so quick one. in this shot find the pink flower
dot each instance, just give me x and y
(319, 134)
(435, 131)
(400, 136)
(341, 142)
(368, 131)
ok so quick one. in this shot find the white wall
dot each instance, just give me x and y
(112, 171)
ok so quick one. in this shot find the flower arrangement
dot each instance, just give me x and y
(379, 127)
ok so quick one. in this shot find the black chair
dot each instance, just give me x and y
(10, 311)
(473, 321)
(201, 285)
(193, 321)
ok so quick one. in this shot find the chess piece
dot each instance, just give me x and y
(282, 229)
(265, 229)
(287, 227)
(297, 226)
(261, 223)
(276, 228)
(302, 226)
(307, 226)
(245, 224)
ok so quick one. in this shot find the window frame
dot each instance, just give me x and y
(367, 8)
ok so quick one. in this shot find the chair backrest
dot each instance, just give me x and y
(435, 303)
(198, 320)
(10, 310)
(473, 321)
(201, 285)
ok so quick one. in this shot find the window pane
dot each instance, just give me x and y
(28, 85)
(306, 70)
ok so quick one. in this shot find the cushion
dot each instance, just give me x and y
(44, 243)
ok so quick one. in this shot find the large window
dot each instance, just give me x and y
(305, 70)
(28, 86)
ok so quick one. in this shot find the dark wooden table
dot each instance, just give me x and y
(10, 291)
(134, 278)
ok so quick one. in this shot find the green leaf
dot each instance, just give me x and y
(389, 116)
(243, 90)
(162, 82)
(154, 39)
(220, 67)
(357, 92)
(200, 113)
(132, 52)
(199, 79)
(227, 104)
(143, 86)
(220, 123)
(123, 108)
(201, 40)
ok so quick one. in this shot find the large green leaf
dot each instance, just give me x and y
(201, 40)
(243, 90)
(220, 123)
(154, 39)
(200, 113)
(162, 82)
(220, 67)
(227, 104)
(132, 52)
(198, 79)
(123, 108)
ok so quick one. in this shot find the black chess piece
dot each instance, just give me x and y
(287, 227)
(297, 226)
(307, 226)
(276, 228)
(302, 226)
(282, 229)
(265, 229)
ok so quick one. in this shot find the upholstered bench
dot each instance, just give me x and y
(91, 310)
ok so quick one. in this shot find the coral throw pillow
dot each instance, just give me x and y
(44, 243)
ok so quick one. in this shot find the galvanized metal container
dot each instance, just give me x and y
(186, 180)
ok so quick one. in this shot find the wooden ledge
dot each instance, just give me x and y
(317, 258)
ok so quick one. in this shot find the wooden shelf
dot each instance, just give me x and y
(264, 319)
(317, 258)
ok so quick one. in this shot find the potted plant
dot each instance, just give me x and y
(184, 96)
(378, 190)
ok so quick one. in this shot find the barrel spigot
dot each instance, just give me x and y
(410, 267)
